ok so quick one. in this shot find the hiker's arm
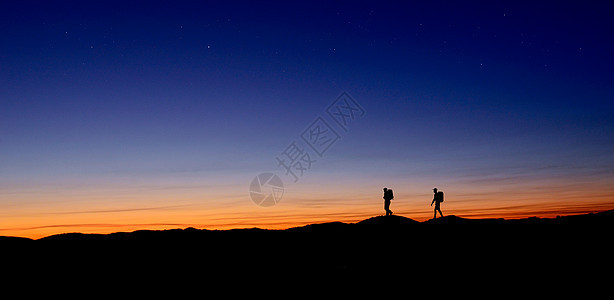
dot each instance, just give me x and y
(432, 201)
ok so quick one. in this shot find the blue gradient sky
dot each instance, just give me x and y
(161, 113)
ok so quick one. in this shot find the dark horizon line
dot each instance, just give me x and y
(375, 220)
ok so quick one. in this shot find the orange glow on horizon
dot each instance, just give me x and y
(284, 215)
(47, 212)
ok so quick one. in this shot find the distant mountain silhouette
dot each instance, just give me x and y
(334, 226)
(444, 251)
(14, 240)
(591, 219)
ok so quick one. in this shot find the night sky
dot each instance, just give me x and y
(121, 116)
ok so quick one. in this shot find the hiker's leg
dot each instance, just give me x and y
(434, 214)
(441, 214)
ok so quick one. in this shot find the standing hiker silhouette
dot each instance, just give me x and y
(437, 199)
(387, 197)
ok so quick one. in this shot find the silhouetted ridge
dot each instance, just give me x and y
(598, 220)
(540, 247)
(329, 226)
(388, 220)
(14, 240)
(452, 219)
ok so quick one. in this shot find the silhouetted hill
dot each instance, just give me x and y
(493, 251)
(319, 227)
(388, 220)
(385, 222)
(14, 240)
(455, 220)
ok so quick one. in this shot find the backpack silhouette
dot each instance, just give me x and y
(389, 194)
(439, 196)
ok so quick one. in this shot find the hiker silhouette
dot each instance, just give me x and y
(437, 199)
(387, 197)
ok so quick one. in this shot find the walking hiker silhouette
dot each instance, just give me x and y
(387, 197)
(437, 199)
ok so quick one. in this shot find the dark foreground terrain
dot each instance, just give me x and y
(563, 251)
